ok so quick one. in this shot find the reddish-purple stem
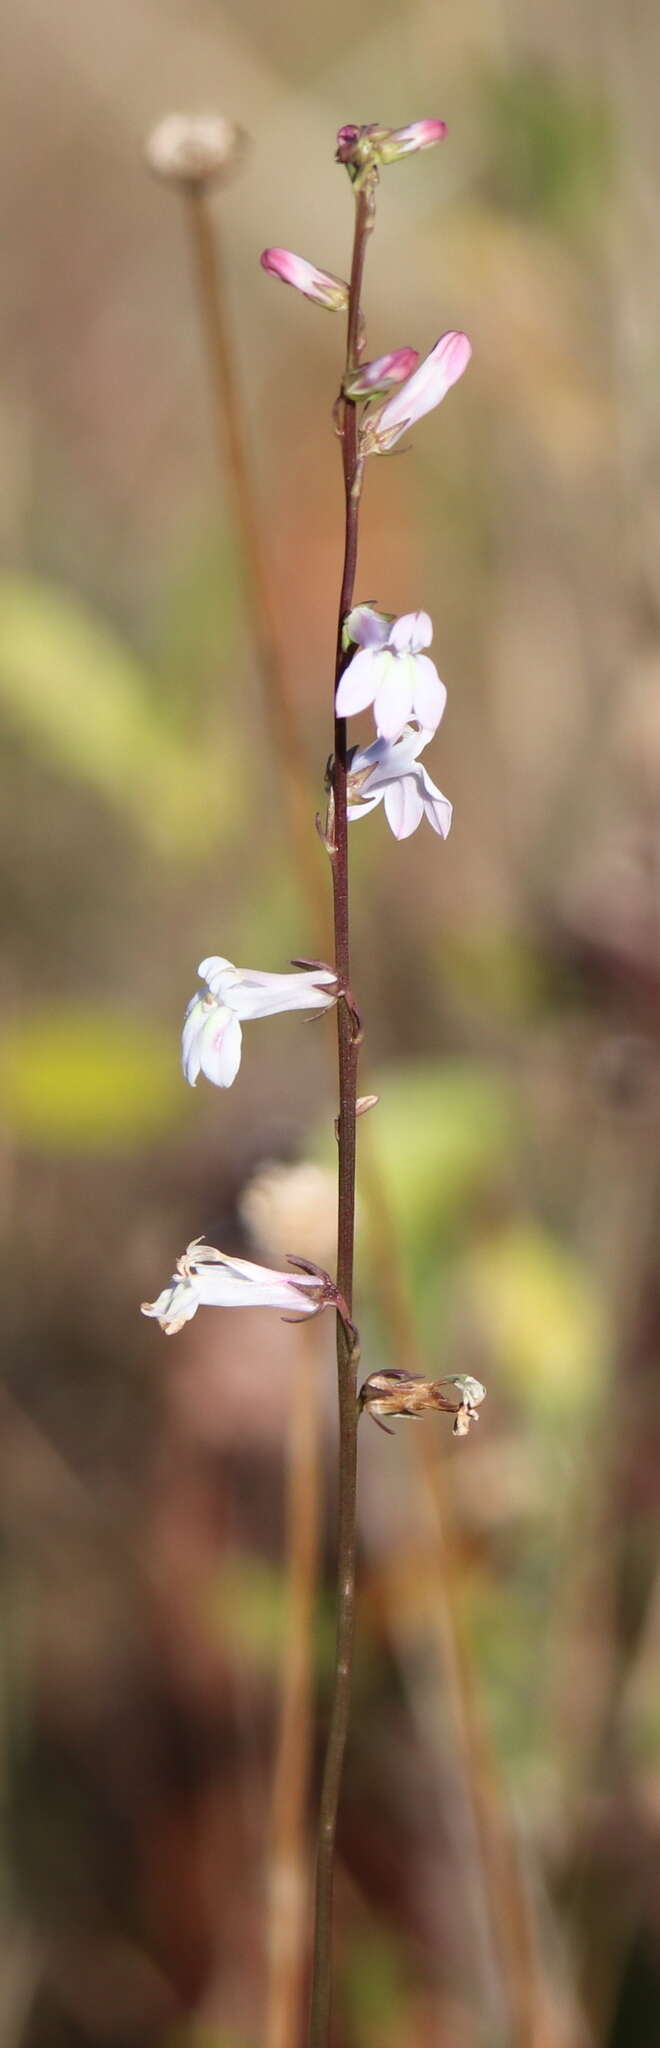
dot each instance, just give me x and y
(348, 1056)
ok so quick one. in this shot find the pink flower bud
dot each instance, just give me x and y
(363, 149)
(424, 390)
(402, 141)
(315, 284)
(347, 138)
(383, 374)
(358, 147)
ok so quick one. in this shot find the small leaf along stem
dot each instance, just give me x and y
(348, 1058)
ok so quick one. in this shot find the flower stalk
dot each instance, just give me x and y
(347, 1353)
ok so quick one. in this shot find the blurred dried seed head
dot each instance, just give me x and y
(285, 1205)
(194, 149)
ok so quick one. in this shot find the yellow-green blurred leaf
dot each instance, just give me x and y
(550, 145)
(87, 705)
(374, 1988)
(440, 1133)
(247, 1604)
(75, 1080)
(498, 968)
(542, 1317)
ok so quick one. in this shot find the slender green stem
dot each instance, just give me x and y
(346, 1354)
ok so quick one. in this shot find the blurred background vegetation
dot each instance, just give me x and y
(510, 983)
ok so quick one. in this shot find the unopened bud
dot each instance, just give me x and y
(361, 626)
(319, 285)
(194, 149)
(426, 388)
(404, 141)
(370, 379)
(364, 149)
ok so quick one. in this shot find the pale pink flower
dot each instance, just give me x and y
(391, 672)
(206, 1278)
(212, 1037)
(389, 772)
(424, 390)
(319, 285)
(383, 374)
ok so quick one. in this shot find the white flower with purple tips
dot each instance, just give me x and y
(392, 672)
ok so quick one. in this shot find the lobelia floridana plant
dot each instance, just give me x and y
(382, 662)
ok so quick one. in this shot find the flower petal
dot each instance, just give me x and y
(359, 682)
(404, 808)
(429, 693)
(175, 1305)
(366, 803)
(411, 632)
(370, 380)
(268, 995)
(385, 760)
(195, 1019)
(421, 392)
(227, 1282)
(394, 697)
(437, 807)
(220, 1047)
(216, 972)
(417, 135)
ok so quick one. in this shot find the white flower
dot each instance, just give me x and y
(212, 1036)
(206, 1278)
(389, 772)
(391, 672)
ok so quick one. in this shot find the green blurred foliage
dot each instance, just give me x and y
(544, 1321)
(374, 1988)
(443, 1133)
(88, 706)
(197, 627)
(73, 1080)
(246, 1605)
(500, 969)
(502, 1619)
(550, 146)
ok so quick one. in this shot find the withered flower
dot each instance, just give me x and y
(399, 1394)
